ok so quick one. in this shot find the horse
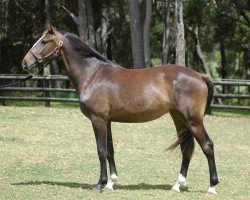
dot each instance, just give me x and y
(110, 93)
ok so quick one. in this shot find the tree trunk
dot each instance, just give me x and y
(42, 20)
(42, 15)
(54, 67)
(136, 34)
(246, 59)
(103, 35)
(165, 43)
(199, 52)
(146, 33)
(90, 22)
(224, 74)
(81, 20)
(180, 39)
(223, 59)
(84, 21)
(48, 9)
(121, 13)
(6, 43)
(109, 47)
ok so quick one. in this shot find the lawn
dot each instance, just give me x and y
(50, 153)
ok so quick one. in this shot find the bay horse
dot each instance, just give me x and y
(110, 93)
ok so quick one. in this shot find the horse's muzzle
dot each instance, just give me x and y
(29, 62)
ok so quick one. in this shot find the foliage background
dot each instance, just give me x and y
(222, 28)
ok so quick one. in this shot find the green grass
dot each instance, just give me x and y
(50, 153)
(230, 113)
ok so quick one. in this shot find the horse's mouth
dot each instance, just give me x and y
(34, 68)
(28, 69)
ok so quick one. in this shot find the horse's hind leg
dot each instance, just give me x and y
(186, 141)
(111, 160)
(195, 125)
(207, 147)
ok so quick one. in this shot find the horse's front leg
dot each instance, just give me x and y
(111, 160)
(100, 129)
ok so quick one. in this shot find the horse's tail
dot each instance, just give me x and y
(208, 80)
(185, 138)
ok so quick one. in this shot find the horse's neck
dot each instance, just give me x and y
(79, 70)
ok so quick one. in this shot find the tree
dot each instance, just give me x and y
(136, 34)
(166, 32)
(180, 39)
(146, 33)
(104, 31)
(140, 33)
(54, 67)
(84, 21)
(198, 51)
(217, 34)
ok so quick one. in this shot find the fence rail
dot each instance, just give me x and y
(46, 92)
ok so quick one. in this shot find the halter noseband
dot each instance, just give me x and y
(41, 58)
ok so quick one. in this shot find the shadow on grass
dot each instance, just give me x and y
(11, 139)
(140, 186)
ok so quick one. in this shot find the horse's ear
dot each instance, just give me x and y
(49, 27)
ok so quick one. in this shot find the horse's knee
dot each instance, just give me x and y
(102, 155)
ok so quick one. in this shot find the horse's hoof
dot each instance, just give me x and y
(96, 190)
(175, 189)
(211, 194)
(113, 180)
(211, 191)
(109, 186)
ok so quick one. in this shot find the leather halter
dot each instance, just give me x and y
(40, 58)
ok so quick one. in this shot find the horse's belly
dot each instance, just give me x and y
(137, 114)
(149, 103)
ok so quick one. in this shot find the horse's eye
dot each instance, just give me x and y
(44, 41)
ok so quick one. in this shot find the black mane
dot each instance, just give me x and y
(82, 49)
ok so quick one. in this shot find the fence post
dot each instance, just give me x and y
(2, 102)
(46, 93)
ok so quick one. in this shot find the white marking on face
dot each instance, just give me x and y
(38, 41)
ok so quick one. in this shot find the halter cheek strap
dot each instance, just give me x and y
(40, 58)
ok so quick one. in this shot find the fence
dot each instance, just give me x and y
(45, 93)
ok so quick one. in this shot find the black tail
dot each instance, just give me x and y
(187, 140)
(210, 85)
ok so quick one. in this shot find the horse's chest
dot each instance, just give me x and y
(93, 102)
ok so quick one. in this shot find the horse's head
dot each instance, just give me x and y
(44, 50)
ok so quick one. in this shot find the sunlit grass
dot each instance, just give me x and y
(50, 153)
(230, 113)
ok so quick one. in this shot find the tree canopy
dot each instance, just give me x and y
(217, 32)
